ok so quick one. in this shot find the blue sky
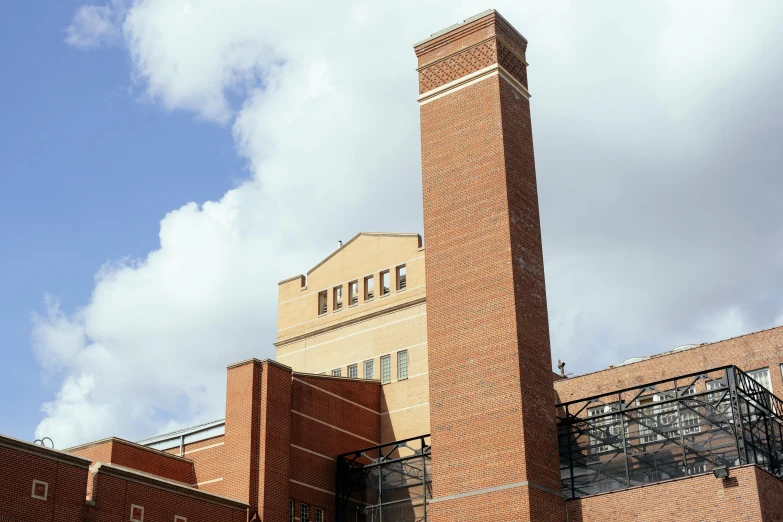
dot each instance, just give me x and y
(88, 170)
(165, 163)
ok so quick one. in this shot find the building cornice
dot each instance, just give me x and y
(44, 452)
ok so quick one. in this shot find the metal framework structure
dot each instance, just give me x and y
(668, 429)
(386, 483)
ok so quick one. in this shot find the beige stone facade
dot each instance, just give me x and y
(361, 335)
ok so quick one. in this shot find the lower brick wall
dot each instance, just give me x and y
(770, 489)
(693, 499)
(64, 495)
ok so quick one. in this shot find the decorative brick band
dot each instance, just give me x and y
(469, 60)
(498, 488)
(470, 79)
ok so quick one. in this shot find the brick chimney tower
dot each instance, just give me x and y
(494, 438)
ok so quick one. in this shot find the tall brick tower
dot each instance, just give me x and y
(494, 439)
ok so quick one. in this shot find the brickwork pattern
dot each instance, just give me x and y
(208, 458)
(458, 65)
(65, 498)
(274, 441)
(748, 352)
(114, 497)
(693, 499)
(486, 304)
(770, 491)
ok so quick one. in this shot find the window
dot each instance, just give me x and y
(337, 372)
(322, 303)
(368, 369)
(402, 364)
(605, 432)
(338, 298)
(178, 518)
(369, 288)
(305, 513)
(353, 371)
(291, 511)
(353, 293)
(695, 469)
(386, 369)
(319, 515)
(720, 401)
(402, 280)
(762, 377)
(385, 288)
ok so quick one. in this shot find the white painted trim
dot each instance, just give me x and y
(334, 427)
(46, 490)
(470, 79)
(209, 481)
(351, 335)
(406, 408)
(132, 509)
(313, 452)
(204, 448)
(311, 487)
(335, 395)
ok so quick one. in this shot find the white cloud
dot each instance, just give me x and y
(321, 103)
(94, 26)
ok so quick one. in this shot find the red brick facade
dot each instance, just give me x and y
(486, 300)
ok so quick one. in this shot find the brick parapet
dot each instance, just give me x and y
(748, 352)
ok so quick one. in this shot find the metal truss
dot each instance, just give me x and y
(386, 483)
(668, 429)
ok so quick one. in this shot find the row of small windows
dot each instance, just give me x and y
(304, 513)
(369, 368)
(368, 291)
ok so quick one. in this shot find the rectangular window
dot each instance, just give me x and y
(386, 369)
(762, 377)
(337, 372)
(305, 513)
(402, 364)
(319, 515)
(291, 511)
(322, 303)
(353, 371)
(605, 434)
(402, 281)
(338, 298)
(385, 282)
(368, 369)
(353, 293)
(369, 288)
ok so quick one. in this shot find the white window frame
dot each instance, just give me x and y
(400, 366)
(355, 368)
(46, 490)
(133, 508)
(371, 373)
(386, 370)
(337, 372)
(612, 421)
(304, 512)
(319, 515)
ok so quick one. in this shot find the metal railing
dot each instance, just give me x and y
(386, 483)
(668, 429)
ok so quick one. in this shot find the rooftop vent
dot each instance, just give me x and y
(685, 347)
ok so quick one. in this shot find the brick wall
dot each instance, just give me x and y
(748, 352)
(770, 491)
(329, 416)
(208, 457)
(116, 490)
(693, 499)
(486, 301)
(65, 477)
(135, 456)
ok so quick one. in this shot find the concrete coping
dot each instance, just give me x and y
(44, 452)
(338, 378)
(128, 443)
(259, 361)
(180, 488)
(466, 21)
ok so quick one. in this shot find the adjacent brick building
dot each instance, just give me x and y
(409, 389)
